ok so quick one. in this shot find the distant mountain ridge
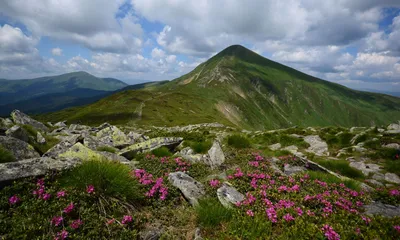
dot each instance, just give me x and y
(238, 87)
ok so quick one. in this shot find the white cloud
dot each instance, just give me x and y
(56, 51)
(157, 53)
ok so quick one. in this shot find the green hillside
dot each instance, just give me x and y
(18, 90)
(240, 88)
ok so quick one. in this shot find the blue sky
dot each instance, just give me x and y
(354, 43)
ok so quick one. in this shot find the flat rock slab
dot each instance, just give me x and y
(20, 149)
(21, 118)
(150, 145)
(18, 132)
(386, 210)
(80, 151)
(290, 170)
(34, 167)
(62, 146)
(317, 145)
(366, 168)
(191, 189)
(229, 196)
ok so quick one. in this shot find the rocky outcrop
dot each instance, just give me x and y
(6, 122)
(191, 189)
(229, 196)
(366, 168)
(290, 170)
(18, 132)
(62, 146)
(114, 136)
(34, 167)
(20, 149)
(149, 145)
(317, 146)
(386, 210)
(393, 178)
(192, 127)
(94, 143)
(21, 118)
(216, 156)
(80, 151)
(60, 124)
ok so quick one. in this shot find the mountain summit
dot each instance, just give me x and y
(240, 88)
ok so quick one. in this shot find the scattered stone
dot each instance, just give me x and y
(20, 149)
(292, 149)
(114, 157)
(94, 143)
(60, 124)
(378, 176)
(386, 210)
(276, 169)
(317, 146)
(21, 118)
(40, 139)
(50, 124)
(290, 170)
(190, 188)
(197, 234)
(188, 154)
(375, 182)
(151, 233)
(114, 136)
(62, 146)
(80, 151)
(136, 137)
(34, 167)
(150, 145)
(229, 196)
(393, 128)
(392, 145)
(393, 178)
(216, 156)
(192, 127)
(366, 168)
(275, 146)
(6, 122)
(18, 132)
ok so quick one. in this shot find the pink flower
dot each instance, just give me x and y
(46, 196)
(271, 213)
(295, 188)
(250, 213)
(288, 217)
(111, 221)
(13, 200)
(299, 211)
(329, 233)
(40, 182)
(214, 183)
(76, 224)
(126, 219)
(397, 228)
(90, 189)
(310, 213)
(358, 231)
(366, 220)
(57, 220)
(61, 194)
(69, 208)
(394, 192)
(62, 235)
(238, 173)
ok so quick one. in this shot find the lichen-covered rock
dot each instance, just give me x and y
(275, 146)
(188, 154)
(191, 189)
(34, 167)
(393, 178)
(290, 170)
(317, 145)
(20, 149)
(386, 210)
(292, 149)
(21, 118)
(18, 132)
(94, 143)
(6, 122)
(136, 137)
(40, 139)
(229, 196)
(114, 157)
(114, 136)
(62, 146)
(81, 152)
(392, 145)
(216, 156)
(60, 124)
(149, 145)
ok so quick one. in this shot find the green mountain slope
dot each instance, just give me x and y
(240, 88)
(12, 91)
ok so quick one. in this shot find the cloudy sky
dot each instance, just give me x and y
(355, 43)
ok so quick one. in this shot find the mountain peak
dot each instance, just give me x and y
(235, 50)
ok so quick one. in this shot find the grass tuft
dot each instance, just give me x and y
(342, 167)
(238, 141)
(106, 149)
(328, 178)
(5, 155)
(162, 152)
(211, 213)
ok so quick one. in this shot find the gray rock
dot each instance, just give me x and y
(197, 234)
(6, 122)
(40, 139)
(62, 146)
(18, 132)
(393, 178)
(216, 156)
(317, 146)
(94, 143)
(292, 149)
(276, 169)
(114, 137)
(114, 157)
(393, 126)
(34, 167)
(190, 188)
(290, 170)
(378, 176)
(188, 154)
(135, 137)
(392, 145)
(375, 182)
(386, 210)
(60, 124)
(150, 145)
(151, 233)
(80, 151)
(21, 118)
(275, 146)
(366, 168)
(229, 196)
(20, 149)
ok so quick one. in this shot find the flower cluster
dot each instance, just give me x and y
(329, 233)
(13, 200)
(214, 183)
(40, 192)
(147, 179)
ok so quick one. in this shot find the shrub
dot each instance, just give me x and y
(211, 213)
(106, 149)
(162, 152)
(200, 147)
(342, 167)
(238, 141)
(109, 178)
(5, 155)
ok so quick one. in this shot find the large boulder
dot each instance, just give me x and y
(191, 189)
(62, 146)
(20, 149)
(386, 210)
(80, 151)
(34, 167)
(229, 196)
(21, 118)
(150, 145)
(216, 156)
(18, 132)
(114, 137)
(317, 145)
